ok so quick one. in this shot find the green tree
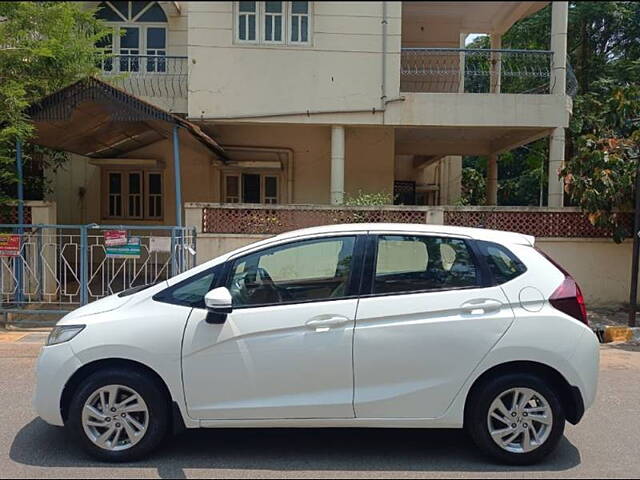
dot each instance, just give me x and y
(44, 46)
(601, 175)
(602, 141)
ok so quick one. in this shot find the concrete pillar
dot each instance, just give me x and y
(492, 179)
(455, 179)
(559, 26)
(193, 217)
(463, 41)
(496, 63)
(337, 165)
(556, 162)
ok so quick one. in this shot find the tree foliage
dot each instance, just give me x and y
(602, 141)
(44, 46)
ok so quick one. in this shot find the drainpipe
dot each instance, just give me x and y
(383, 86)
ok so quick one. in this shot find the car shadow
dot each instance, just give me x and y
(386, 450)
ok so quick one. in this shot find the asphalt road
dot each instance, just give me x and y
(605, 444)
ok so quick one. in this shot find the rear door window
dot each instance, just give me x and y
(407, 264)
(503, 264)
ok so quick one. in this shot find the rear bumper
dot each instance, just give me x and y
(586, 362)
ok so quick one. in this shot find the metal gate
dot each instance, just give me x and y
(48, 270)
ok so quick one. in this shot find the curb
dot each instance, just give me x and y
(621, 334)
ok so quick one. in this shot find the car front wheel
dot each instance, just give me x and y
(516, 419)
(118, 415)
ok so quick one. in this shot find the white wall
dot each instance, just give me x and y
(341, 69)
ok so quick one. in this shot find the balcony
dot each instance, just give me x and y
(160, 80)
(459, 70)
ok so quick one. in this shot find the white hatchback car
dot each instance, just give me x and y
(369, 325)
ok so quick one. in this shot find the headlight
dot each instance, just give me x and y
(63, 334)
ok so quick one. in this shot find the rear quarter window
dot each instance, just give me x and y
(503, 264)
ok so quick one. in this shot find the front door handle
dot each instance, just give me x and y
(481, 306)
(325, 322)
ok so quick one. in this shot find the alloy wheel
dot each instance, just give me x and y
(520, 420)
(115, 417)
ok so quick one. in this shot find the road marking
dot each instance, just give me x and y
(11, 337)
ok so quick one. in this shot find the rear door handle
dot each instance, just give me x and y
(325, 322)
(481, 306)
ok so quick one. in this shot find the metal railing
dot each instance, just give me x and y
(461, 70)
(146, 75)
(56, 268)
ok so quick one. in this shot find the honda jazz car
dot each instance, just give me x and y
(367, 325)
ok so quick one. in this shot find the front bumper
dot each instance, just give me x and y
(56, 365)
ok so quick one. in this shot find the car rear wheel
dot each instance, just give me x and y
(119, 416)
(516, 419)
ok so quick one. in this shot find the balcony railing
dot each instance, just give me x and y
(146, 75)
(461, 70)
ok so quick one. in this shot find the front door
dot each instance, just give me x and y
(286, 349)
(427, 322)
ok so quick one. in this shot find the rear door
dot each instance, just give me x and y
(427, 316)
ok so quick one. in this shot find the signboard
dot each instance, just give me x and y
(115, 238)
(160, 244)
(9, 245)
(132, 249)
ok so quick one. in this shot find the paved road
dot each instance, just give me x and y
(606, 444)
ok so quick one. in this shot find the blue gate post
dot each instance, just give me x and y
(174, 264)
(39, 266)
(18, 261)
(84, 265)
(177, 175)
(178, 191)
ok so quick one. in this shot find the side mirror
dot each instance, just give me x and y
(219, 303)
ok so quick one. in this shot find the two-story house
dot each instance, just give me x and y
(312, 102)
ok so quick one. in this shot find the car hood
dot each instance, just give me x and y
(108, 304)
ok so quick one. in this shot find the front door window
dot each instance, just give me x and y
(312, 270)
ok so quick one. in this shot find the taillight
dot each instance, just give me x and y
(569, 299)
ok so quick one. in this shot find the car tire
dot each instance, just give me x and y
(152, 413)
(511, 445)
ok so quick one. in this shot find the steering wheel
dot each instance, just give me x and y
(255, 286)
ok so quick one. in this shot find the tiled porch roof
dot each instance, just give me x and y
(98, 120)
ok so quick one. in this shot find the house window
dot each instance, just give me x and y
(270, 189)
(154, 195)
(133, 194)
(251, 188)
(273, 27)
(232, 189)
(139, 41)
(247, 21)
(273, 22)
(115, 194)
(299, 22)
